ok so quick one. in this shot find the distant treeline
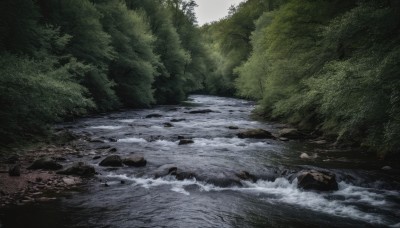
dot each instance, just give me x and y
(328, 66)
(64, 58)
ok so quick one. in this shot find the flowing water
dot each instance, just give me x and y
(366, 195)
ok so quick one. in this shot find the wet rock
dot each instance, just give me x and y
(386, 168)
(155, 115)
(168, 125)
(233, 127)
(96, 157)
(256, 134)
(201, 111)
(317, 180)
(79, 169)
(113, 161)
(291, 133)
(112, 150)
(185, 141)
(69, 181)
(244, 175)
(14, 171)
(177, 120)
(223, 179)
(135, 161)
(104, 147)
(45, 164)
(306, 156)
(165, 170)
(96, 140)
(181, 137)
(185, 175)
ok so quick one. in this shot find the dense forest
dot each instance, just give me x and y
(330, 67)
(61, 59)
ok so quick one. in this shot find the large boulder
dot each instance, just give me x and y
(183, 175)
(290, 133)
(45, 164)
(153, 116)
(79, 169)
(165, 170)
(185, 141)
(135, 161)
(256, 134)
(222, 179)
(244, 175)
(113, 161)
(317, 180)
(201, 111)
(177, 120)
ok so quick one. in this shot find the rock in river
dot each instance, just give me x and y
(153, 116)
(113, 161)
(135, 161)
(290, 133)
(45, 164)
(256, 134)
(202, 111)
(165, 170)
(79, 169)
(185, 141)
(317, 180)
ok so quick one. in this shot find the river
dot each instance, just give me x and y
(366, 195)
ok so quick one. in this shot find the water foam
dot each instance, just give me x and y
(282, 191)
(132, 140)
(104, 127)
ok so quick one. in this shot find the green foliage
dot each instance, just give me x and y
(169, 85)
(35, 92)
(230, 38)
(330, 65)
(135, 65)
(89, 44)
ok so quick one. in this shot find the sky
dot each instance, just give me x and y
(213, 10)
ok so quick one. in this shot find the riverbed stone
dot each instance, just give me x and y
(201, 111)
(233, 127)
(185, 141)
(113, 161)
(184, 175)
(317, 180)
(256, 134)
(244, 175)
(155, 115)
(168, 125)
(165, 170)
(177, 120)
(223, 179)
(45, 164)
(135, 161)
(290, 133)
(79, 169)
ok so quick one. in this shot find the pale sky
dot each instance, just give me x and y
(212, 10)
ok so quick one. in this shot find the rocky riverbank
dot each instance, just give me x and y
(31, 175)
